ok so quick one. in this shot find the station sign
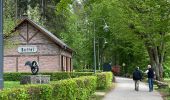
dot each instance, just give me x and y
(27, 49)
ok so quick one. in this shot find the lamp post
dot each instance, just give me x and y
(94, 48)
(105, 28)
(99, 57)
(1, 44)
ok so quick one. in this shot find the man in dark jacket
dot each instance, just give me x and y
(137, 76)
(150, 74)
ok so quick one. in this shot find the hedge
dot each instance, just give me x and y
(14, 76)
(14, 94)
(55, 76)
(39, 92)
(29, 92)
(70, 89)
(80, 88)
(65, 89)
(104, 80)
(86, 87)
(65, 75)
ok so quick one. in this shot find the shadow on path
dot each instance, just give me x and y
(124, 90)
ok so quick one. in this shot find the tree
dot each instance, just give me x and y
(122, 46)
(76, 33)
(149, 20)
(34, 14)
(9, 15)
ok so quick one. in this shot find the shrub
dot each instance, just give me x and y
(39, 92)
(90, 84)
(14, 76)
(64, 90)
(86, 87)
(77, 88)
(80, 88)
(55, 76)
(78, 74)
(14, 94)
(104, 80)
(28, 92)
(87, 70)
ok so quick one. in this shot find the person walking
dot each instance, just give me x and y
(150, 74)
(137, 76)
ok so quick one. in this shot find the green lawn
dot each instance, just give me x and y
(11, 84)
(165, 93)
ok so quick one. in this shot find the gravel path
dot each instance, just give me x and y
(124, 90)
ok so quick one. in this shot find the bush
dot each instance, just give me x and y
(39, 92)
(14, 94)
(86, 87)
(65, 75)
(70, 89)
(85, 70)
(64, 89)
(29, 92)
(14, 76)
(104, 80)
(77, 88)
(90, 84)
(81, 89)
(55, 76)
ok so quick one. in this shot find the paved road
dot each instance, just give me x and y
(124, 90)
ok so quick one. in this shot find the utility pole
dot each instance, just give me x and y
(1, 45)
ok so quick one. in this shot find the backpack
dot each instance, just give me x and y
(137, 75)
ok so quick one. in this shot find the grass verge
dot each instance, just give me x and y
(11, 84)
(14, 84)
(165, 92)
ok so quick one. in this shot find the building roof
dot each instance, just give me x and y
(46, 32)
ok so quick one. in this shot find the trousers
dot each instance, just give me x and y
(150, 82)
(137, 85)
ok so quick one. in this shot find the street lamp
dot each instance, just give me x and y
(106, 29)
(99, 57)
(124, 66)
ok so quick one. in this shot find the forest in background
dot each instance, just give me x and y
(137, 35)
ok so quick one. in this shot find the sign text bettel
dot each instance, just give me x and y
(27, 49)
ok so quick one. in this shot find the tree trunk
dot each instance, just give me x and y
(156, 61)
(161, 71)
